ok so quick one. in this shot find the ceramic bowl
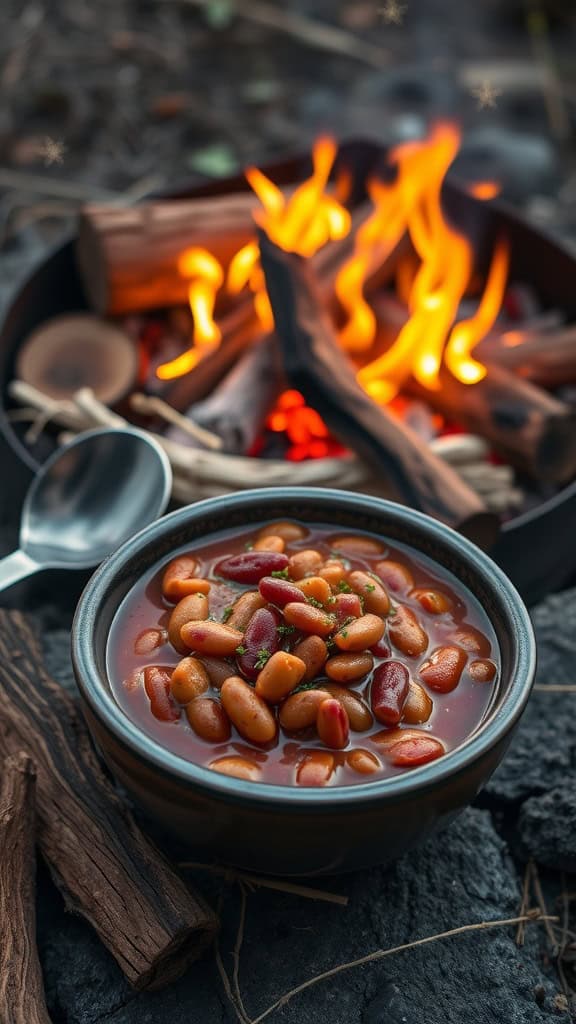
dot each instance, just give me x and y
(279, 829)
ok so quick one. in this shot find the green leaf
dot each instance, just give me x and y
(285, 630)
(315, 603)
(263, 656)
(280, 574)
(227, 613)
(241, 649)
(344, 587)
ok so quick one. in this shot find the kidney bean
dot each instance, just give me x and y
(189, 680)
(313, 652)
(194, 608)
(316, 588)
(237, 767)
(286, 529)
(406, 633)
(432, 601)
(251, 566)
(389, 690)
(345, 607)
(304, 563)
(357, 544)
(442, 670)
(381, 649)
(157, 686)
(308, 619)
(149, 640)
(482, 671)
(371, 591)
(176, 574)
(347, 668)
(359, 716)
(387, 738)
(280, 592)
(218, 670)
(301, 710)
(332, 724)
(360, 634)
(269, 543)
(363, 761)
(472, 640)
(315, 768)
(261, 636)
(396, 576)
(409, 753)
(211, 638)
(208, 720)
(418, 706)
(244, 608)
(134, 680)
(281, 674)
(247, 711)
(333, 571)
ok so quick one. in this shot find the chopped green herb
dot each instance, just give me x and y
(344, 587)
(305, 686)
(370, 587)
(248, 546)
(227, 613)
(263, 656)
(314, 602)
(280, 574)
(285, 630)
(241, 649)
(344, 633)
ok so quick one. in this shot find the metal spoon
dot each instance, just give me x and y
(87, 499)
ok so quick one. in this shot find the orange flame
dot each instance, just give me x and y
(484, 189)
(206, 277)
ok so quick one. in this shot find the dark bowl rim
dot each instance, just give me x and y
(499, 722)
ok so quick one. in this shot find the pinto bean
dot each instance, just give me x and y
(237, 767)
(286, 529)
(482, 671)
(280, 592)
(281, 674)
(251, 566)
(409, 753)
(357, 544)
(389, 690)
(157, 686)
(211, 638)
(346, 607)
(442, 670)
(189, 680)
(472, 640)
(395, 576)
(316, 588)
(176, 576)
(243, 609)
(363, 761)
(315, 768)
(371, 591)
(418, 706)
(308, 619)
(300, 710)
(208, 720)
(387, 738)
(304, 563)
(313, 652)
(360, 634)
(333, 571)
(432, 601)
(332, 724)
(247, 711)
(406, 633)
(194, 608)
(269, 543)
(149, 640)
(347, 668)
(261, 636)
(218, 670)
(359, 716)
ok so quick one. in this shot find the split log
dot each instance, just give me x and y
(316, 366)
(128, 256)
(107, 870)
(547, 358)
(22, 998)
(529, 427)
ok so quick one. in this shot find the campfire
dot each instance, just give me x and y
(339, 329)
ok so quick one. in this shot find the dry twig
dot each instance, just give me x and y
(260, 882)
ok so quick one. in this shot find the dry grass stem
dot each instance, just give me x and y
(520, 934)
(260, 882)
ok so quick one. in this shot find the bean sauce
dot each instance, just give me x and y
(303, 656)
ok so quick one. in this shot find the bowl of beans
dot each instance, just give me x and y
(301, 681)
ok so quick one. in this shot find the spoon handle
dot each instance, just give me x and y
(16, 566)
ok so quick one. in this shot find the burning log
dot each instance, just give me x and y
(530, 428)
(109, 872)
(128, 256)
(315, 365)
(22, 998)
(547, 358)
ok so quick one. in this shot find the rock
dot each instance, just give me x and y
(547, 827)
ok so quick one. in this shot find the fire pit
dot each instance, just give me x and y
(421, 347)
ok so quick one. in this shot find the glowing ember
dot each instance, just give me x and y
(305, 430)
